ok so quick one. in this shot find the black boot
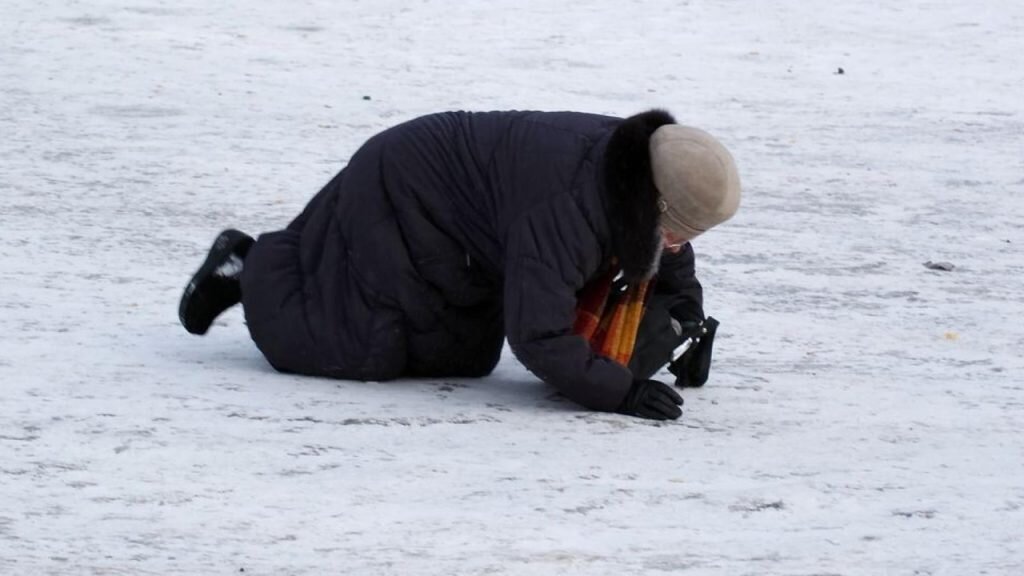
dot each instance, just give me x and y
(215, 287)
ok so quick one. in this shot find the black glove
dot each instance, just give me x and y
(692, 367)
(652, 400)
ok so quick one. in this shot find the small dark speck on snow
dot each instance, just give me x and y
(941, 266)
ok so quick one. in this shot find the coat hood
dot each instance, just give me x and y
(631, 196)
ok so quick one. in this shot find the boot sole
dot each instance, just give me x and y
(227, 243)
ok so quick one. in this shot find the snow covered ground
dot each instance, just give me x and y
(864, 413)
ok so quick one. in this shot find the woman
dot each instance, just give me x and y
(449, 233)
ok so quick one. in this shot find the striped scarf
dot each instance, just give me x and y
(608, 314)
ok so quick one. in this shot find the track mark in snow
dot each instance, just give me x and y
(749, 506)
(135, 111)
(19, 438)
(926, 514)
(395, 421)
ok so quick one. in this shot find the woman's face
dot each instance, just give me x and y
(672, 242)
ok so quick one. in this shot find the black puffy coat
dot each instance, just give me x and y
(448, 233)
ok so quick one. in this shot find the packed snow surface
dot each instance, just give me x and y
(864, 413)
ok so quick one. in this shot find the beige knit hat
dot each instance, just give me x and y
(697, 179)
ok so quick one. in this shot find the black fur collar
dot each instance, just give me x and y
(632, 198)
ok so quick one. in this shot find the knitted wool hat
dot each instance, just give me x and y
(697, 179)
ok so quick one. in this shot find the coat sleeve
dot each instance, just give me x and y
(677, 280)
(549, 255)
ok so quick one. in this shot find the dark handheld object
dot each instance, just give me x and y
(692, 366)
(658, 338)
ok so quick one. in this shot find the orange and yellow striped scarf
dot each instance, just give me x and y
(609, 317)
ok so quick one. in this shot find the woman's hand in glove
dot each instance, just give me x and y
(652, 400)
